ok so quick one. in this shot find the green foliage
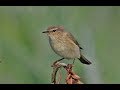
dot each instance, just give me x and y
(25, 52)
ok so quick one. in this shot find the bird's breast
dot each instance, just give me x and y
(57, 45)
(64, 48)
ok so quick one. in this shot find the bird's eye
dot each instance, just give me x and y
(54, 30)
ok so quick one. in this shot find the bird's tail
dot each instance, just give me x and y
(84, 60)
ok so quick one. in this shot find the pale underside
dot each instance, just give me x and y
(65, 47)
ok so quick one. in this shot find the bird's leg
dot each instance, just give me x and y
(73, 61)
(58, 61)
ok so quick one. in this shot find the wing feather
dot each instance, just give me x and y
(73, 39)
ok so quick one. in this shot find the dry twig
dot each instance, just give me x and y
(72, 78)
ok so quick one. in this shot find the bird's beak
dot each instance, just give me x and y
(45, 32)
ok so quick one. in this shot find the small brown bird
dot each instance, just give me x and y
(64, 44)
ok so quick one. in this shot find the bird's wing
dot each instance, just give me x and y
(73, 39)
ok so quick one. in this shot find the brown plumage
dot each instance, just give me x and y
(64, 44)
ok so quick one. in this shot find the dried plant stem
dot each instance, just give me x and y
(72, 78)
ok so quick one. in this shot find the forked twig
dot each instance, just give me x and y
(56, 66)
(72, 78)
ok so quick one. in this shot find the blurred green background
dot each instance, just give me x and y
(26, 54)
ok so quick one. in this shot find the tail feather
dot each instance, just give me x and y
(84, 60)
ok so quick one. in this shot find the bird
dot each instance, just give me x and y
(64, 44)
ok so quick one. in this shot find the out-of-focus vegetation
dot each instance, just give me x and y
(26, 54)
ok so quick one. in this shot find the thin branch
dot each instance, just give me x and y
(56, 67)
(71, 77)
